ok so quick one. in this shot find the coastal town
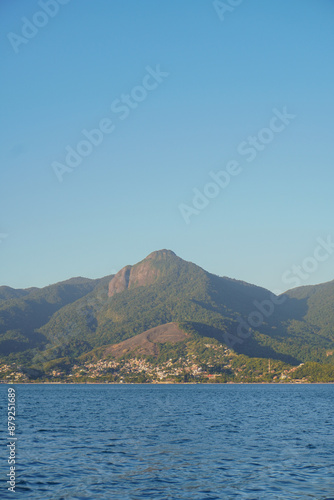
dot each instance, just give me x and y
(223, 367)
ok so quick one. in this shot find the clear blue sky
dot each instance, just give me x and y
(226, 74)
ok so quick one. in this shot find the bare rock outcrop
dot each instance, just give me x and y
(142, 274)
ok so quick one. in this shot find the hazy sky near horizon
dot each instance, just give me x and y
(180, 91)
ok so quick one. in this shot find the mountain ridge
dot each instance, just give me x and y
(81, 315)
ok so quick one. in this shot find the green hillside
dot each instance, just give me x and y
(21, 317)
(318, 304)
(81, 317)
(178, 291)
(7, 293)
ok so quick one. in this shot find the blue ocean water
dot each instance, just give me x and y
(170, 442)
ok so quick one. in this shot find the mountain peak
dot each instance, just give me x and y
(143, 273)
(161, 254)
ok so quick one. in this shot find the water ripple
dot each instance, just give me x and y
(177, 442)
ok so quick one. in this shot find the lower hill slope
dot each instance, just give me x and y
(147, 343)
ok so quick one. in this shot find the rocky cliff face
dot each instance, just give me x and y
(142, 274)
(120, 281)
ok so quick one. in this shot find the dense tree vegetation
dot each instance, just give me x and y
(76, 318)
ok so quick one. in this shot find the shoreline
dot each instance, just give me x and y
(166, 383)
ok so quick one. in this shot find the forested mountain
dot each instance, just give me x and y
(79, 316)
(23, 312)
(318, 304)
(7, 293)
